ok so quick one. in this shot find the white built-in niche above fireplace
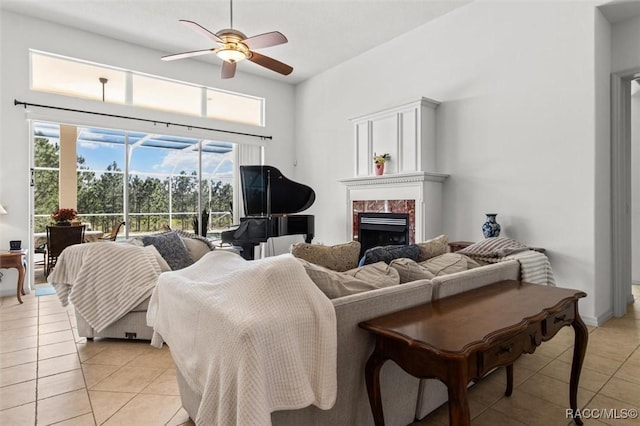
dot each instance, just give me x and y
(406, 132)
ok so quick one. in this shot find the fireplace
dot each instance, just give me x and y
(419, 194)
(382, 229)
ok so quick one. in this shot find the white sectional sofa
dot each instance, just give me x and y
(404, 397)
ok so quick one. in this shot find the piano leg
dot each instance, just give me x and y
(247, 250)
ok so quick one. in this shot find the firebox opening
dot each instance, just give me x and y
(381, 229)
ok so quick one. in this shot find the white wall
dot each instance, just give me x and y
(516, 129)
(635, 183)
(20, 33)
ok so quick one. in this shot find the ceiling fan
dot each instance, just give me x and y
(234, 46)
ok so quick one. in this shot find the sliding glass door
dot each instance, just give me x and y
(151, 181)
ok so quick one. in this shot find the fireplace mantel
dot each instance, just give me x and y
(397, 178)
(423, 187)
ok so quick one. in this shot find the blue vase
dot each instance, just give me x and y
(491, 228)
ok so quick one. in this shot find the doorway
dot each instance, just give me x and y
(621, 189)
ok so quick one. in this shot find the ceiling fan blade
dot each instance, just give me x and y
(201, 30)
(228, 69)
(270, 63)
(187, 54)
(273, 38)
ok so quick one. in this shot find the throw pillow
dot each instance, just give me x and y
(409, 270)
(171, 248)
(493, 249)
(388, 253)
(205, 241)
(196, 248)
(378, 274)
(433, 247)
(338, 284)
(444, 264)
(341, 257)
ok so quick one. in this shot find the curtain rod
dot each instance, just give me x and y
(166, 123)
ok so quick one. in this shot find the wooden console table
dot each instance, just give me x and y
(15, 259)
(463, 337)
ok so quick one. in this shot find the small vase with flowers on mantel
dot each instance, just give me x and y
(379, 161)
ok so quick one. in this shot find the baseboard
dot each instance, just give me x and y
(597, 321)
(592, 321)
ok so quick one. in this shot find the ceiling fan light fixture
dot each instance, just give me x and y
(231, 54)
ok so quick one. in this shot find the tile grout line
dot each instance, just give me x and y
(84, 379)
(35, 416)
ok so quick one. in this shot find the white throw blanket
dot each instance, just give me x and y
(251, 337)
(534, 267)
(105, 280)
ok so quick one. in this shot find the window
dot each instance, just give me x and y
(82, 79)
(156, 93)
(164, 187)
(78, 79)
(231, 107)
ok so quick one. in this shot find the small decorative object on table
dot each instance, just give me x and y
(379, 161)
(63, 217)
(491, 228)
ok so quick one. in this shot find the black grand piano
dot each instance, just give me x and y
(270, 201)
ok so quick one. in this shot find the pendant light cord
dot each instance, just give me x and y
(231, 14)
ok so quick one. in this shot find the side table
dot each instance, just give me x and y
(15, 259)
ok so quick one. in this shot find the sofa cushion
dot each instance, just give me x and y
(492, 249)
(341, 257)
(388, 253)
(447, 263)
(433, 247)
(336, 284)
(171, 248)
(409, 270)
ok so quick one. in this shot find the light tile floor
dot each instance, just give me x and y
(48, 375)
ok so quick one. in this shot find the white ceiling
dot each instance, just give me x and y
(321, 33)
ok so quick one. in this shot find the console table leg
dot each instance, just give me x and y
(457, 382)
(509, 389)
(579, 350)
(372, 378)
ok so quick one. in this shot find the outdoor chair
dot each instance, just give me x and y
(114, 232)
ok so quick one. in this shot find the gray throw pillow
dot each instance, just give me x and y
(388, 253)
(171, 248)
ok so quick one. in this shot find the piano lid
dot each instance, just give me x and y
(287, 196)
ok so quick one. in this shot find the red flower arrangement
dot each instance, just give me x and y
(64, 215)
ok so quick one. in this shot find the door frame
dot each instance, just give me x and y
(621, 190)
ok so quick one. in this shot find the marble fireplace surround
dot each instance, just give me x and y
(394, 193)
